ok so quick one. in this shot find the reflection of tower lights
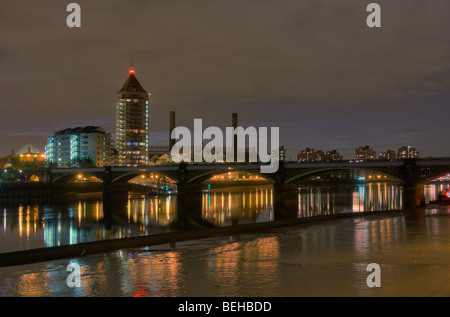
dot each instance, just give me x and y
(4, 219)
(167, 208)
(262, 197)
(20, 220)
(204, 205)
(129, 211)
(28, 221)
(328, 201)
(209, 203)
(35, 218)
(143, 211)
(79, 213)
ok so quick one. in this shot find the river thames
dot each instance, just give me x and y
(328, 258)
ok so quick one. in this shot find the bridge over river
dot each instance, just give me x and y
(411, 173)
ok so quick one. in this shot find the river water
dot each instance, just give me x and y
(329, 258)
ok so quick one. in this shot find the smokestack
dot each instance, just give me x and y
(234, 123)
(172, 126)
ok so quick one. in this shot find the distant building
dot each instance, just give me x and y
(389, 155)
(282, 153)
(73, 146)
(313, 155)
(403, 152)
(162, 159)
(406, 152)
(132, 123)
(365, 153)
(28, 156)
(110, 154)
(331, 156)
(158, 150)
(310, 155)
(159, 154)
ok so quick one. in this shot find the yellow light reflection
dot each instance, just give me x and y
(129, 211)
(168, 208)
(80, 210)
(20, 221)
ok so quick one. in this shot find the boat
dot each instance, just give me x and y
(444, 197)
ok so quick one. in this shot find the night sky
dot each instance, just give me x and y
(311, 67)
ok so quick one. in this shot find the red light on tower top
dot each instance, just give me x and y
(131, 70)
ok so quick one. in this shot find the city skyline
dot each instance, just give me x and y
(313, 69)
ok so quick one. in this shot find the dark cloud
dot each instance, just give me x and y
(313, 67)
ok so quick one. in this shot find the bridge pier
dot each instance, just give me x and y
(285, 201)
(189, 206)
(115, 201)
(115, 197)
(413, 195)
(413, 188)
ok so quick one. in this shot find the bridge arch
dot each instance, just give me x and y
(34, 178)
(429, 174)
(294, 177)
(431, 178)
(126, 177)
(202, 177)
(64, 178)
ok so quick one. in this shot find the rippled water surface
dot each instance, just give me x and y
(320, 259)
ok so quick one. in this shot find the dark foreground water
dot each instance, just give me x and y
(321, 259)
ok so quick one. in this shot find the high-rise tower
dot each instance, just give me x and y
(132, 131)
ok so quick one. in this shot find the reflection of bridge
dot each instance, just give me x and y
(411, 173)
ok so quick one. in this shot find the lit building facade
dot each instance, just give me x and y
(389, 155)
(365, 153)
(310, 155)
(132, 123)
(282, 153)
(71, 146)
(406, 152)
(332, 156)
(27, 156)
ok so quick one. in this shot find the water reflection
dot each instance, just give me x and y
(376, 234)
(226, 265)
(432, 190)
(329, 259)
(153, 211)
(326, 200)
(26, 227)
(34, 226)
(320, 260)
(243, 205)
(236, 263)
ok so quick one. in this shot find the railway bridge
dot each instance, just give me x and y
(411, 173)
